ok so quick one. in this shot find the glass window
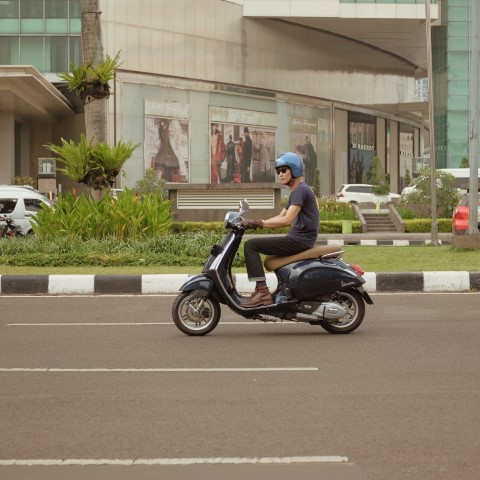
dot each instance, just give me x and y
(9, 50)
(75, 51)
(31, 25)
(56, 8)
(9, 9)
(56, 54)
(74, 6)
(56, 26)
(32, 205)
(31, 9)
(406, 152)
(7, 205)
(31, 52)
(362, 146)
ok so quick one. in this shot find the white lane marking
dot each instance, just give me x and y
(160, 370)
(87, 324)
(114, 324)
(176, 461)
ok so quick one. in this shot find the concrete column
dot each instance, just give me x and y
(381, 141)
(340, 154)
(7, 142)
(394, 157)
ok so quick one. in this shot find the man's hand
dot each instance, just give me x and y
(251, 224)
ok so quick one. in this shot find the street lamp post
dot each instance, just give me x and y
(474, 107)
(433, 170)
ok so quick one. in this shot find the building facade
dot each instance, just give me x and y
(214, 90)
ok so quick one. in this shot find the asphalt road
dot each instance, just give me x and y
(110, 380)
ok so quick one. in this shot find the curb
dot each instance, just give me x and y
(384, 243)
(164, 284)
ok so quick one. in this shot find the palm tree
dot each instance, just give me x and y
(93, 162)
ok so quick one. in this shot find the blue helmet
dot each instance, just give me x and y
(292, 161)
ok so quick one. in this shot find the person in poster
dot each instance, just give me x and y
(247, 156)
(231, 162)
(263, 148)
(310, 160)
(238, 172)
(218, 153)
(166, 161)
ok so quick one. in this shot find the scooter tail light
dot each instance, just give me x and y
(357, 268)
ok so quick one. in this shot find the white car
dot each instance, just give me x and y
(362, 193)
(20, 203)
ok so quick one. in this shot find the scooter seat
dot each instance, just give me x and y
(272, 262)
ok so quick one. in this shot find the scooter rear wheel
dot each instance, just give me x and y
(353, 302)
(195, 314)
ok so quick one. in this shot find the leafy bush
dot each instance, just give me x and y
(150, 183)
(446, 193)
(169, 250)
(330, 209)
(378, 178)
(127, 217)
(424, 225)
(94, 165)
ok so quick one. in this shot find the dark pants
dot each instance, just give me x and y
(282, 246)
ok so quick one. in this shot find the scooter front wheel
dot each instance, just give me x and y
(354, 305)
(195, 314)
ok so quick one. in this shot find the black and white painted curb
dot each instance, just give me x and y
(165, 284)
(385, 243)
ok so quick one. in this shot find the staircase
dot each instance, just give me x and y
(379, 222)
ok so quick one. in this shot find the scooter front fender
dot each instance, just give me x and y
(201, 283)
(197, 282)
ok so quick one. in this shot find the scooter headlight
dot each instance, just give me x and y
(231, 219)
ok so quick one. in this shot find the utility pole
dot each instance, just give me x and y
(433, 169)
(474, 107)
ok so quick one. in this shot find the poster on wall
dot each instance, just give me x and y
(241, 153)
(166, 147)
(304, 142)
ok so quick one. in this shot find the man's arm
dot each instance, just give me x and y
(284, 219)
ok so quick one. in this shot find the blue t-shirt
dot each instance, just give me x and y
(305, 227)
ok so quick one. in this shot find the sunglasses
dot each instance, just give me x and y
(282, 170)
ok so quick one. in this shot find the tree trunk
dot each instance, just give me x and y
(92, 49)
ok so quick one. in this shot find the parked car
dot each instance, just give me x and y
(362, 193)
(461, 214)
(20, 202)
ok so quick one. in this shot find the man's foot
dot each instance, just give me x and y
(261, 296)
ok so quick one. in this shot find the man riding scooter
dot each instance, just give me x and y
(301, 212)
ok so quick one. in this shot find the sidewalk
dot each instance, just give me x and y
(170, 284)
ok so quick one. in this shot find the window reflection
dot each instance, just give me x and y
(56, 8)
(9, 9)
(31, 9)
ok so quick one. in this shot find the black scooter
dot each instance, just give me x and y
(315, 287)
(10, 228)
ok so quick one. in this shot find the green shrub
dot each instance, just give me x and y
(446, 193)
(169, 250)
(424, 225)
(330, 209)
(127, 217)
